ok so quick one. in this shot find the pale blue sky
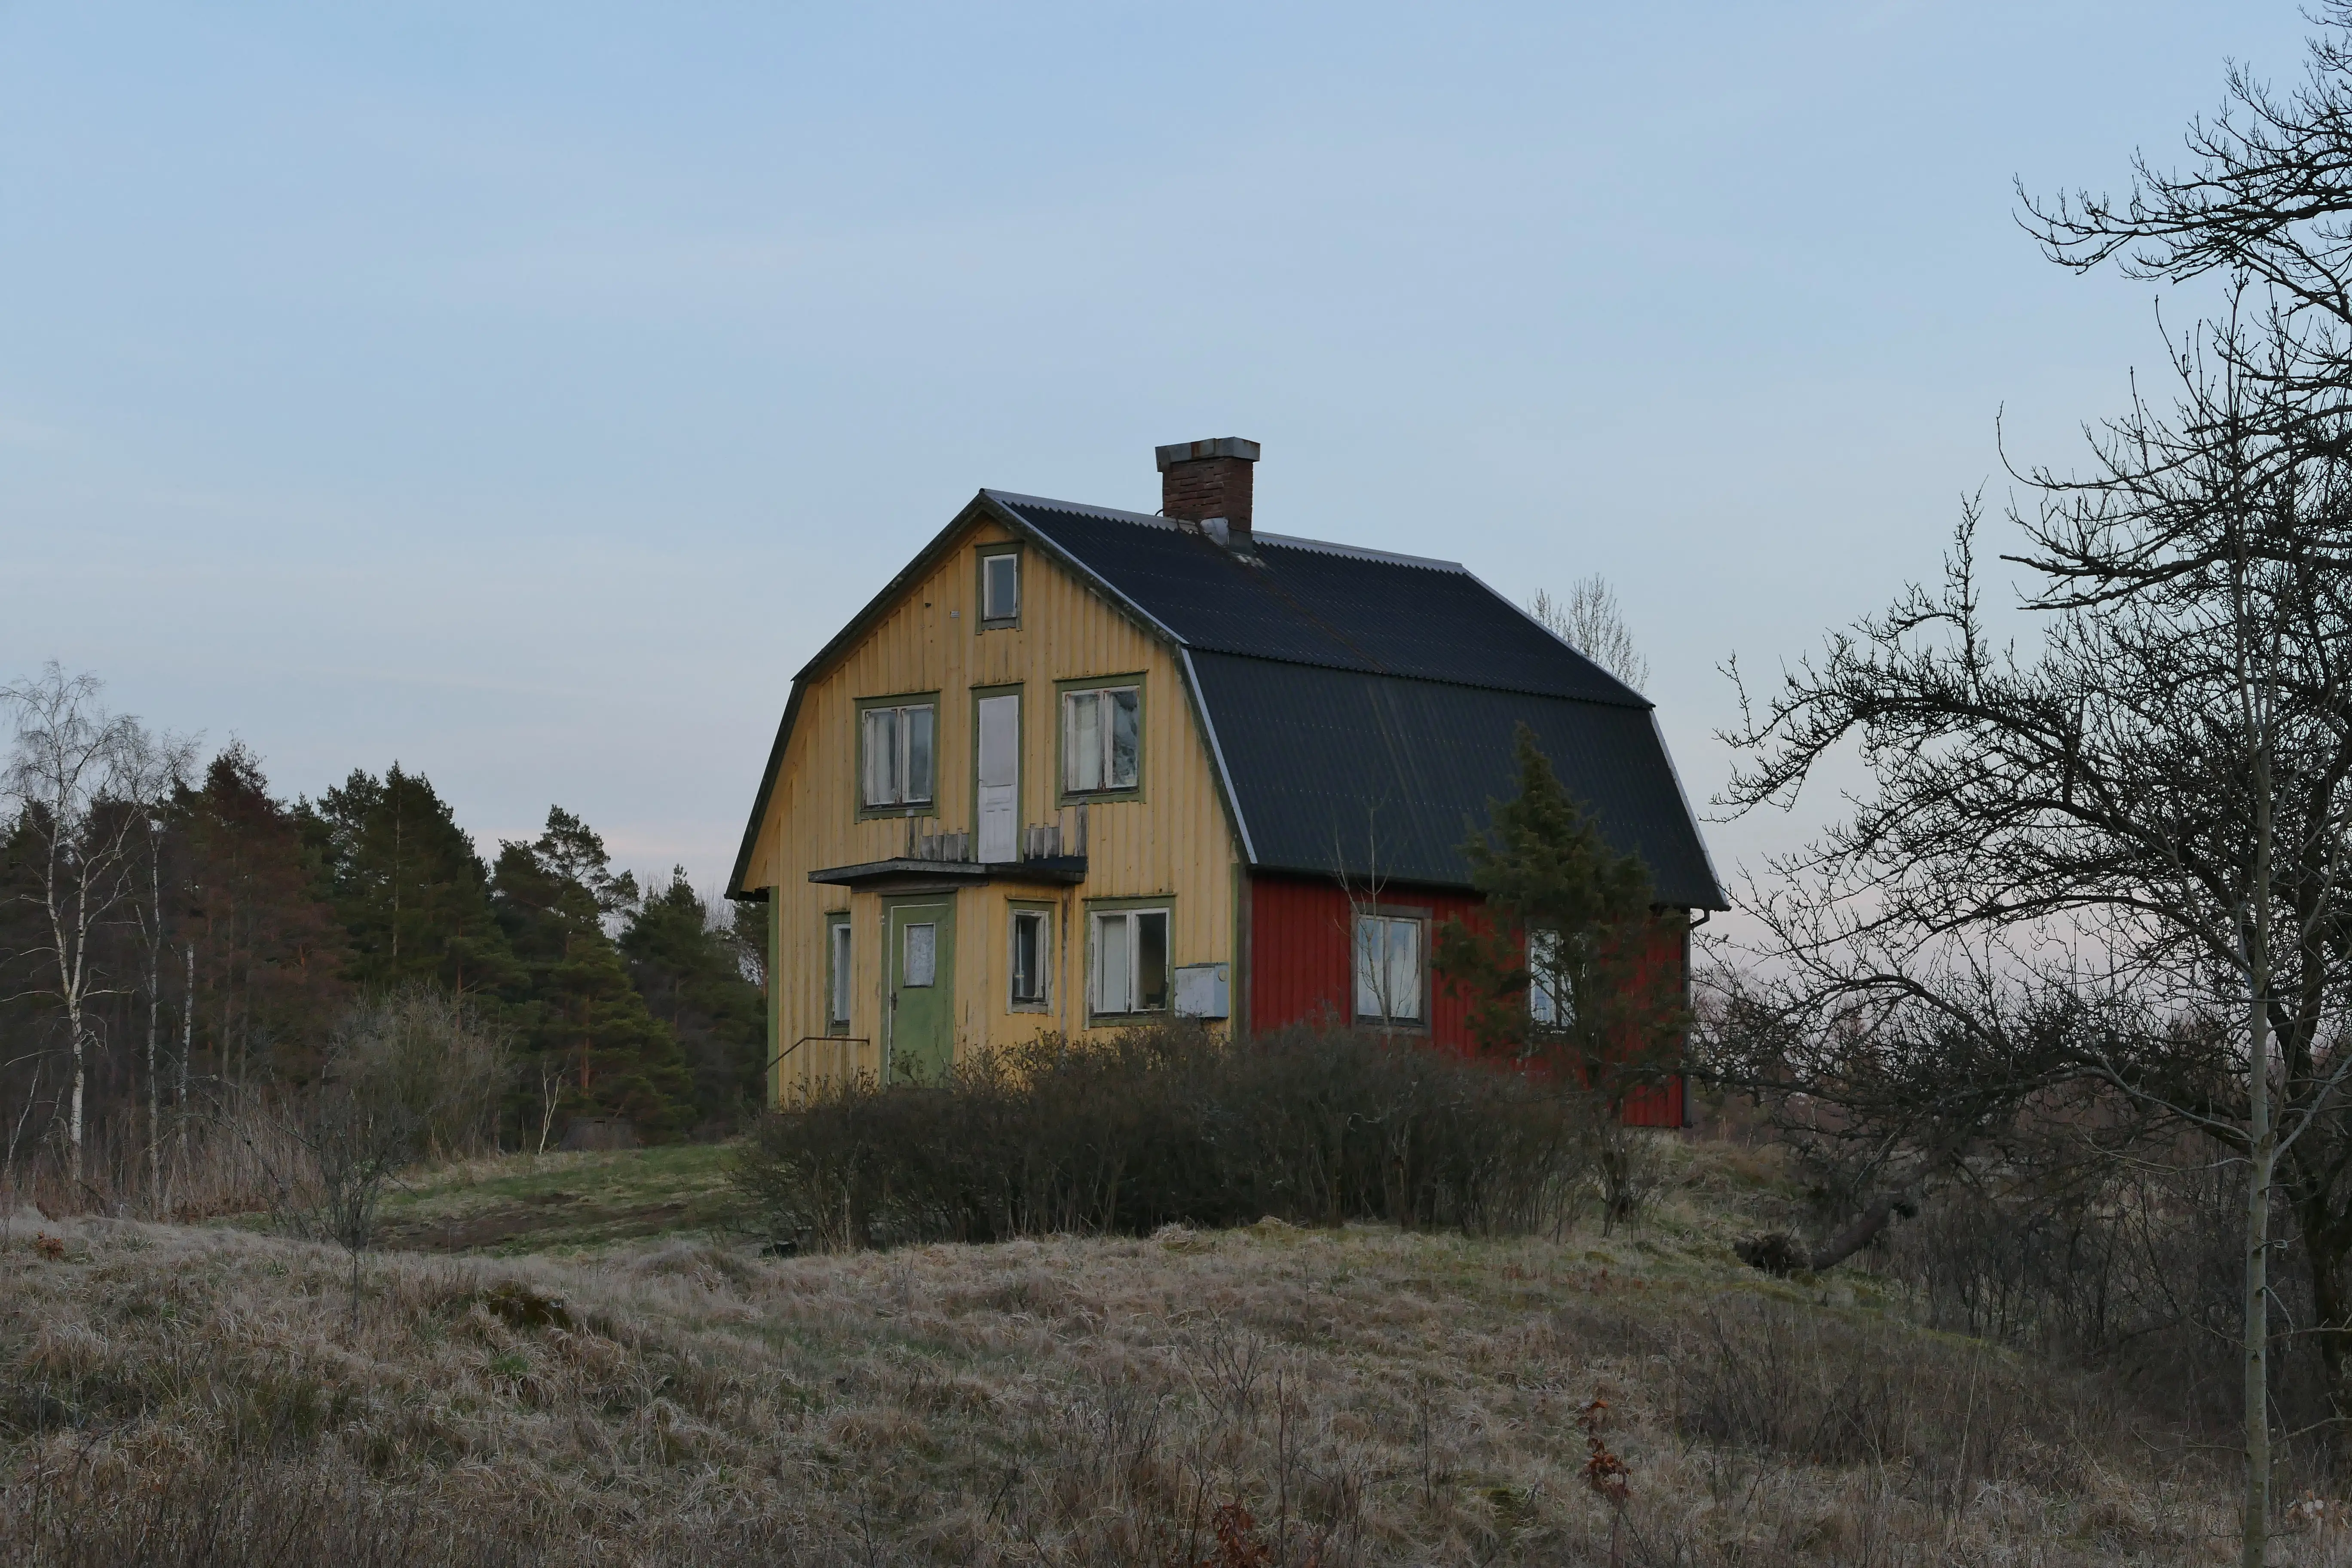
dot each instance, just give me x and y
(524, 392)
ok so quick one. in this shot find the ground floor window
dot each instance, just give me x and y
(837, 977)
(1388, 968)
(1131, 960)
(1552, 996)
(1032, 951)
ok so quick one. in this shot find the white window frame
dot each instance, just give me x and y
(991, 612)
(1551, 999)
(839, 955)
(879, 791)
(1102, 701)
(1043, 1001)
(1128, 943)
(1375, 979)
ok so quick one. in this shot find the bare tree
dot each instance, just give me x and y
(83, 784)
(1590, 622)
(2075, 869)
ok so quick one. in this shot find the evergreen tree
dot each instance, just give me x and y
(692, 974)
(264, 953)
(408, 887)
(576, 1011)
(1570, 966)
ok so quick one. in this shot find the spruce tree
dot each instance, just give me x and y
(1570, 967)
(691, 973)
(408, 887)
(576, 1011)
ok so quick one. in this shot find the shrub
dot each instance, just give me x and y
(1171, 1125)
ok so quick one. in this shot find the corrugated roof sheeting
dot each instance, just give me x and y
(1380, 776)
(1326, 607)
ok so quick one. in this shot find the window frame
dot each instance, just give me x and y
(981, 555)
(1162, 904)
(1416, 914)
(929, 807)
(1018, 911)
(1066, 690)
(840, 971)
(1019, 755)
(1563, 1008)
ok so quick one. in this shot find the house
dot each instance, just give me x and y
(1077, 768)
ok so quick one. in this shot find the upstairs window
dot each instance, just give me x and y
(1388, 969)
(897, 748)
(1000, 588)
(1029, 958)
(1130, 973)
(1102, 739)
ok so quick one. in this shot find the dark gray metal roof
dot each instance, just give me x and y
(1364, 704)
(1321, 604)
(1378, 775)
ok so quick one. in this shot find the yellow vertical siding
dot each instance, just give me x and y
(1174, 839)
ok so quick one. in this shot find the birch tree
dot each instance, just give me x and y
(82, 784)
(1590, 621)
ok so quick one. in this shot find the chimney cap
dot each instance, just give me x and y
(1193, 451)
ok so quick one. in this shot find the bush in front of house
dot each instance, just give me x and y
(1168, 1126)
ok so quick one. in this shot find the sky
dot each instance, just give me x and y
(524, 392)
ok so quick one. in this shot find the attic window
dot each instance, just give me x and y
(1000, 588)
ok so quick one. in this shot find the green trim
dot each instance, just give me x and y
(1049, 909)
(1064, 795)
(858, 751)
(835, 919)
(980, 616)
(1020, 766)
(1112, 906)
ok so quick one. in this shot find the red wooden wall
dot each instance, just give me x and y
(1300, 969)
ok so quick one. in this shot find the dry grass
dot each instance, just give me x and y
(177, 1394)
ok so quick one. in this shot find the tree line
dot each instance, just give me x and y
(173, 931)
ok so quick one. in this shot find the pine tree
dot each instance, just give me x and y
(267, 956)
(576, 1011)
(691, 973)
(1565, 970)
(408, 887)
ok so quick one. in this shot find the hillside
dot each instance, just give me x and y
(178, 1394)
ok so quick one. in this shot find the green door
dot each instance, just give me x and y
(922, 990)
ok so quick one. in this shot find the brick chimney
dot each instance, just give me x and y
(1207, 483)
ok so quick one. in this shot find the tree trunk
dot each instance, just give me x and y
(80, 1060)
(187, 1049)
(154, 1027)
(2263, 1139)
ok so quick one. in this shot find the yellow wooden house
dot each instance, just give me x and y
(1077, 768)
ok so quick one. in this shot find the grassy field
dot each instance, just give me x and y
(1361, 1395)
(556, 1203)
